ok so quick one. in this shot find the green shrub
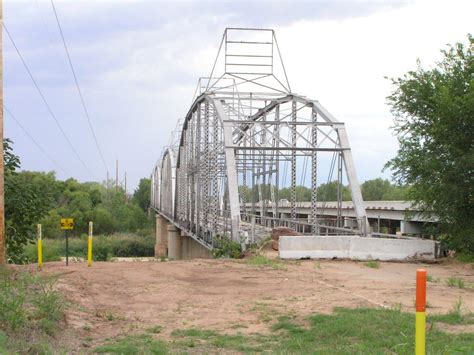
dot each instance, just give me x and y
(104, 247)
(227, 248)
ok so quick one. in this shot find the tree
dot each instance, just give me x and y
(25, 204)
(382, 190)
(434, 122)
(142, 194)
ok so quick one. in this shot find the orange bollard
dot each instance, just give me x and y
(420, 322)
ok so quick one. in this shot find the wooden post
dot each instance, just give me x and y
(2, 168)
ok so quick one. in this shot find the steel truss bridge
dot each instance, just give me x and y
(246, 142)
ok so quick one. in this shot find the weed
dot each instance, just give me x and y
(155, 330)
(134, 344)
(455, 282)
(261, 260)
(454, 316)
(374, 264)
(227, 248)
(30, 309)
(317, 265)
(432, 279)
(87, 328)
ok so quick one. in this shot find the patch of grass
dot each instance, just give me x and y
(373, 264)
(210, 341)
(155, 330)
(30, 310)
(465, 258)
(454, 316)
(317, 265)
(346, 331)
(261, 260)
(134, 344)
(430, 278)
(362, 330)
(455, 282)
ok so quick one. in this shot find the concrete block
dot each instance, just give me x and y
(354, 247)
(321, 247)
(391, 249)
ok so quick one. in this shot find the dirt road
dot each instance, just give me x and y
(116, 298)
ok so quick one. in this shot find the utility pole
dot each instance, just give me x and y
(125, 184)
(107, 181)
(116, 174)
(2, 167)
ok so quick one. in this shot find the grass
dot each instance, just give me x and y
(104, 247)
(134, 344)
(346, 331)
(430, 278)
(374, 264)
(261, 260)
(454, 316)
(155, 330)
(30, 311)
(455, 282)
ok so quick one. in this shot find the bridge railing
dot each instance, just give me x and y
(259, 226)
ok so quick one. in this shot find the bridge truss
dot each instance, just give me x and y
(247, 146)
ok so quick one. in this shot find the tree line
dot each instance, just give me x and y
(372, 190)
(33, 197)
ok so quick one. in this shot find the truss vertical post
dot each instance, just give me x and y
(198, 201)
(277, 163)
(206, 173)
(214, 174)
(293, 163)
(314, 175)
(339, 190)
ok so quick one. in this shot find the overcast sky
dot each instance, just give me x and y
(138, 62)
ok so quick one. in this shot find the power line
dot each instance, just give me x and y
(46, 102)
(86, 112)
(35, 142)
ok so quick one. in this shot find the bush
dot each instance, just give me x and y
(104, 247)
(227, 248)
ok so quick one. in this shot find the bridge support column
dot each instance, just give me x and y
(161, 234)
(174, 242)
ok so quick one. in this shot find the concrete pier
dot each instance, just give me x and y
(174, 242)
(161, 235)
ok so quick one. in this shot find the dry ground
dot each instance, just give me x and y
(116, 298)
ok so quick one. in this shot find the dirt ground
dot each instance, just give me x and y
(116, 298)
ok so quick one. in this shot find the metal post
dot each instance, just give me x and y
(314, 175)
(67, 246)
(293, 163)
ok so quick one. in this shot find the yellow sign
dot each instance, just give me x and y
(67, 223)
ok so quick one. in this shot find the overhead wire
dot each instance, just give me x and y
(43, 98)
(86, 111)
(35, 142)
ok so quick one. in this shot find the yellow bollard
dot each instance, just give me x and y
(40, 246)
(420, 322)
(89, 245)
